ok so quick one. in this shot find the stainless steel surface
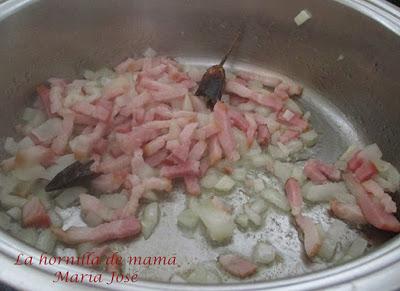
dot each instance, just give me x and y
(352, 100)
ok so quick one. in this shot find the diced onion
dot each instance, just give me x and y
(225, 184)
(5, 221)
(188, 219)
(201, 275)
(210, 179)
(276, 198)
(302, 17)
(309, 138)
(150, 218)
(283, 170)
(149, 53)
(331, 240)
(325, 192)
(242, 220)
(219, 224)
(357, 249)
(10, 201)
(46, 241)
(253, 216)
(259, 206)
(239, 174)
(15, 213)
(263, 253)
(69, 197)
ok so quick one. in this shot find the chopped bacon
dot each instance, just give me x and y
(108, 183)
(60, 143)
(237, 266)
(118, 229)
(313, 173)
(129, 65)
(238, 120)
(312, 237)
(95, 111)
(92, 205)
(266, 80)
(131, 207)
(365, 171)
(44, 95)
(112, 165)
(269, 100)
(192, 185)
(372, 210)
(288, 135)
(252, 128)
(207, 131)
(198, 150)
(355, 162)
(293, 119)
(133, 140)
(56, 96)
(348, 212)
(34, 155)
(293, 193)
(155, 145)
(157, 158)
(188, 168)
(225, 136)
(386, 200)
(34, 214)
(158, 184)
(319, 172)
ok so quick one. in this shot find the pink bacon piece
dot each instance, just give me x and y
(90, 205)
(237, 266)
(312, 237)
(34, 214)
(319, 172)
(293, 193)
(270, 101)
(118, 229)
(347, 212)
(188, 168)
(372, 210)
(60, 143)
(225, 136)
(192, 185)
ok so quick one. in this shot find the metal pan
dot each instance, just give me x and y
(353, 99)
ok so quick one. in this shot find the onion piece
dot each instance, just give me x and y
(302, 17)
(276, 198)
(69, 197)
(29, 173)
(46, 241)
(357, 249)
(283, 171)
(263, 253)
(239, 174)
(332, 237)
(225, 184)
(188, 219)
(242, 220)
(202, 275)
(5, 221)
(15, 213)
(253, 216)
(150, 218)
(309, 138)
(327, 192)
(210, 179)
(9, 201)
(219, 224)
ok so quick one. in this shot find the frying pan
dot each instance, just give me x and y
(353, 99)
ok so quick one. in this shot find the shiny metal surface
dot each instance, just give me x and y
(351, 100)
